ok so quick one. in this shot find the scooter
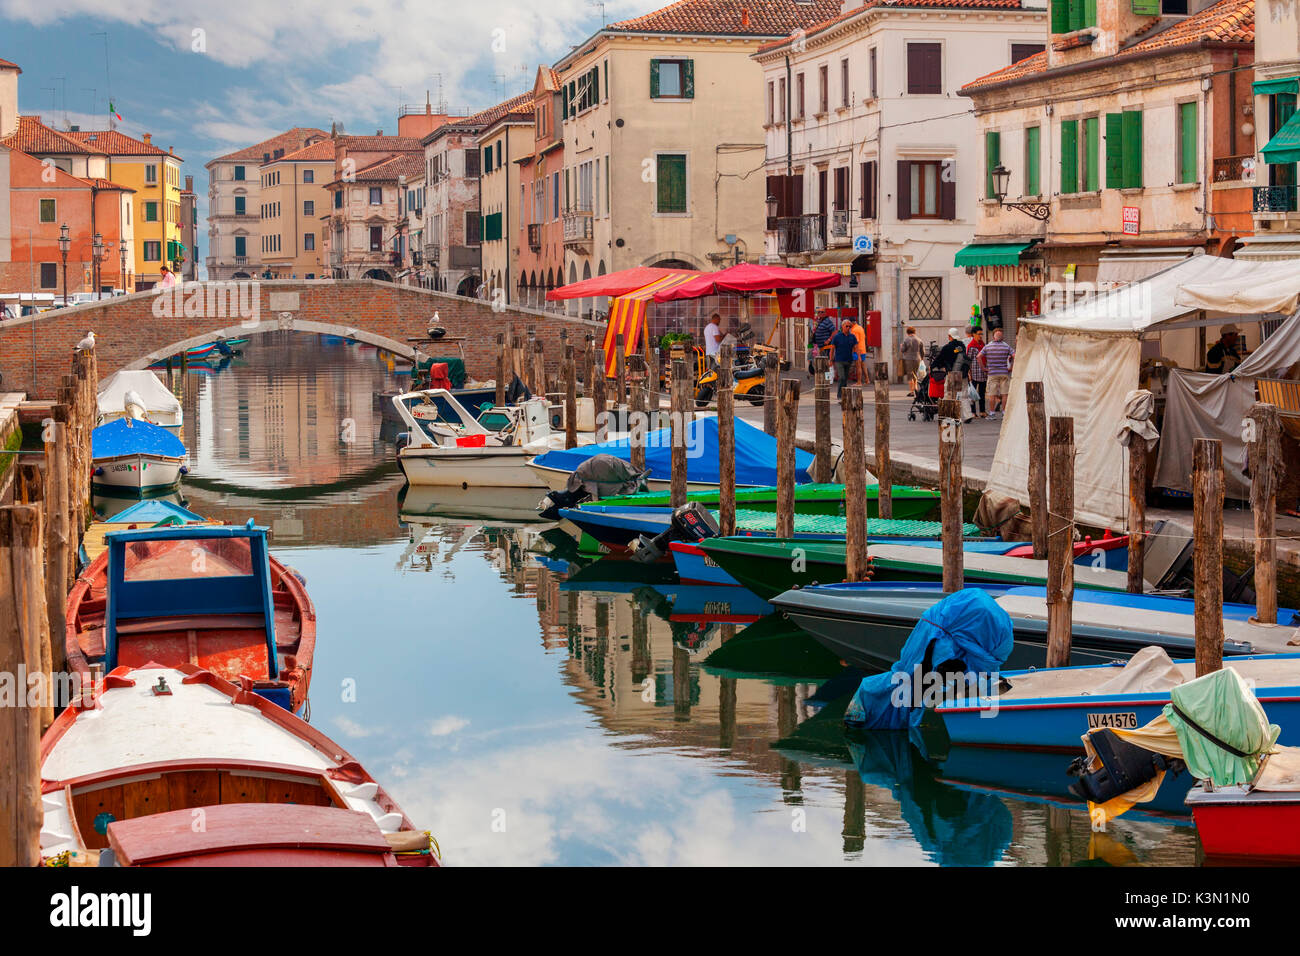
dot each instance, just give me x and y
(747, 383)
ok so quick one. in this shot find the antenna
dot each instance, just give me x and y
(108, 81)
(94, 98)
(601, 4)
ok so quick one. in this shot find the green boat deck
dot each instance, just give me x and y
(813, 498)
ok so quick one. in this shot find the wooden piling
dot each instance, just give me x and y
(787, 418)
(858, 562)
(726, 440)
(681, 417)
(589, 366)
(570, 398)
(1207, 553)
(22, 607)
(771, 382)
(501, 369)
(636, 423)
(1037, 466)
(651, 370)
(1137, 513)
(951, 511)
(526, 362)
(539, 368)
(59, 561)
(884, 465)
(599, 399)
(1263, 455)
(31, 491)
(1060, 541)
(620, 371)
(510, 354)
(821, 420)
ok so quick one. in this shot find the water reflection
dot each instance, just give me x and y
(531, 705)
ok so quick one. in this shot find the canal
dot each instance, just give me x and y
(530, 711)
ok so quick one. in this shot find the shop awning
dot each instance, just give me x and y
(1288, 84)
(1121, 267)
(1284, 147)
(990, 254)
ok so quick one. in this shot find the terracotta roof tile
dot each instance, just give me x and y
(100, 183)
(819, 26)
(760, 18)
(322, 152)
(116, 143)
(7, 65)
(484, 118)
(34, 137)
(289, 141)
(387, 170)
(372, 143)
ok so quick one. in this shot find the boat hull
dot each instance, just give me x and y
(137, 472)
(499, 467)
(558, 480)
(1237, 824)
(809, 499)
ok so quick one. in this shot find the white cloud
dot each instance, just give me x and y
(350, 728)
(446, 726)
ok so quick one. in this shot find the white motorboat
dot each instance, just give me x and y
(132, 455)
(139, 394)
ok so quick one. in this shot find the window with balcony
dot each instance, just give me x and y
(241, 247)
(672, 79)
(924, 68)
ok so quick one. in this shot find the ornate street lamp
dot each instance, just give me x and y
(97, 252)
(122, 275)
(1001, 177)
(65, 244)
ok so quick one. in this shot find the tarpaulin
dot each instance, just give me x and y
(126, 436)
(162, 407)
(627, 318)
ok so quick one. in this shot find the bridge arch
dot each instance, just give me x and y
(241, 330)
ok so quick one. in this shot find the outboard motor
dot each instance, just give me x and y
(691, 522)
(1118, 767)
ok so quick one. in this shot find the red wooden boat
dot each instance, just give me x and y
(1247, 824)
(174, 766)
(210, 596)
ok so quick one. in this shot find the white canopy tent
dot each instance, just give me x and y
(162, 407)
(1088, 357)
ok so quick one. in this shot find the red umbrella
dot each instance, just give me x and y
(749, 278)
(614, 284)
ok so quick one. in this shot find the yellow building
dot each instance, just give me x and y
(155, 175)
(292, 201)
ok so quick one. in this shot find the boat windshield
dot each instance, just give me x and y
(180, 558)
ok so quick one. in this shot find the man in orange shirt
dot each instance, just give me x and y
(861, 335)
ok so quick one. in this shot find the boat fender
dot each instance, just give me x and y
(98, 471)
(184, 470)
(1118, 767)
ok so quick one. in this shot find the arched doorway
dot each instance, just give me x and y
(468, 286)
(672, 264)
(380, 274)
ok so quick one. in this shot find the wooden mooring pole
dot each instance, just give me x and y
(539, 368)
(951, 510)
(822, 464)
(1060, 541)
(636, 421)
(1137, 513)
(589, 366)
(1207, 553)
(681, 418)
(787, 416)
(884, 466)
(620, 372)
(570, 398)
(501, 369)
(59, 559)
(599, 398)
(771, 382)
(31, 491)
(726, 440)
(1037, 413)
(858, 561)
(1263, 454)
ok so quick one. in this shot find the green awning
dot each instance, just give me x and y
(1289, 84)
(991, 253)
(1285, 146)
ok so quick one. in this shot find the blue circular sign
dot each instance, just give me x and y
(862, 244)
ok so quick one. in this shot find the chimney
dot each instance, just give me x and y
(189, 184)
(148, 139)
(172, 150)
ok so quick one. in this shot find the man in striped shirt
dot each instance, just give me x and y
(996, 358)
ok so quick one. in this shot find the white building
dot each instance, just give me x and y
(868, 141)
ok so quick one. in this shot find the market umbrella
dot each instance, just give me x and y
(747, 277)
(615, 283)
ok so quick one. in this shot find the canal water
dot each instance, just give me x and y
(528, 709)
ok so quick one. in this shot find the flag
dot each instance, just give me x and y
(113, 110)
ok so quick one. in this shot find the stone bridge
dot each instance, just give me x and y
(137, 330)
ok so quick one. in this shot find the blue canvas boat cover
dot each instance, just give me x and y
(125, 436)
(153, 511)
(967, 626)
(755, 454)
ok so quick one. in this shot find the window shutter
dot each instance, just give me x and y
(688, 79)
(1092, 152)
(948, 189)
(1089, 13)
(863, 189)
(1032, 160)
(1070, 156)
(992, 156)
(872, 211)
(671, 190)
(904, 189)
(924, 68)
(1187, 143)
(1132, 126)
(654, 78)
(1114, 151)
(1060, 16)
(795, 185)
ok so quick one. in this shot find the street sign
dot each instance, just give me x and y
(1132, 218)
(863, 245)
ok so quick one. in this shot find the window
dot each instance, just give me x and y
(151, 212)
(309, 175)
(1033, 150)
(498, 162)
(798, 97)
(670, 184)
(241, 205)
(309, 207)
(241, 246)
(471, 163)
(49, 275)
(844, 82)
(823, 89)
(1187, 143)
(491, 227)
(376, 238)
(1071, 15)
(992, 156)
(925, 299)
(239, 173)
(584, 203)
(607, 184)
(1021, 51)
(555, 196)
(871, 72)
(487, 160)
(925, 192)
(588, 91)
(781, 104)
(338, 199)
(771, 102)
(672, 79)
(1124, 150)
(868, 189)
(1090, 153)
(925, 68)
(49, 210)
(1071, 151)
(153, 250)
(308, 241)
(841, 202)
(151, 174)
(376, 196)
(472, 227)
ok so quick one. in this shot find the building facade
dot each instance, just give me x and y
(365, 216)
(541, 226)
(1269, 123)
(292, 200)
(452, 227)
(504, 144)
(1122, 145)
(190, 231)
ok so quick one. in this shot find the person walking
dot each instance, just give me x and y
(861, 334)
(997, 359)
(713, 336)
(822, 332)
(910, 351)
(979, 378)
(845, 345)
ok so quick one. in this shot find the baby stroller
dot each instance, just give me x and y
(922, 403)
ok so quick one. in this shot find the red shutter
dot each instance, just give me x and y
(795, 185)
(904, 189)
(948, 190)
(842, 188)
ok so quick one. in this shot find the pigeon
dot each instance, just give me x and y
(86, 344)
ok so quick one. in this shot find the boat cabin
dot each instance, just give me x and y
(434, 417)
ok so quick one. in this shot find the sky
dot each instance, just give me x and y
(208, 78)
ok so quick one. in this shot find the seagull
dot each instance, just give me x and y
(86, 344)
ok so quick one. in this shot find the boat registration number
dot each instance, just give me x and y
(709, 562)
(1122, 721)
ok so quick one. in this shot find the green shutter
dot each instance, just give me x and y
(1076, 14)
(1132, 148)
(992, 156)
(1114, 151)
(688, 79)
(1092, 153)
(1089, 13)
(1032, 136)
(671, 184)
(654, 78)
(1070, 156)
(1187, 143)
(1146, 8)
(1060, 16)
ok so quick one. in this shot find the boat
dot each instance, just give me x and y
(755, 458)
(616, 527)
(147, 513)
(138, 393)
(809, 499)
(768, 566)
(1258, 821)
(867, 623)
(209, 595)
(128, 454)
(176, 766)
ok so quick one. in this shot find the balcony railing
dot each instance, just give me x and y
(1228, 169)
(840, 223)
(800, 233)
(535, 236)
(431, 253)
(577, 226)
(241, 260)
(1275, 199)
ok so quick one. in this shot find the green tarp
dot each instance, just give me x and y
(990, 254)
(1284, 147)
(1220, 709)
(1290, 84)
